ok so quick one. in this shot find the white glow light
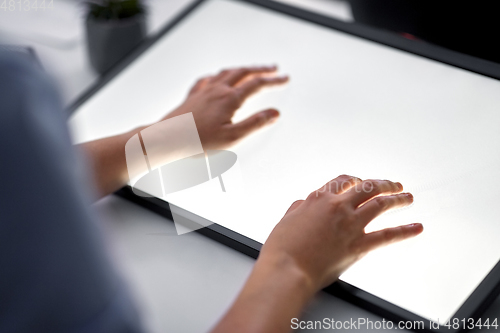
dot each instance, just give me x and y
(352, 106)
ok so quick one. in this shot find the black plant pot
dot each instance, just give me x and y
(109, 41)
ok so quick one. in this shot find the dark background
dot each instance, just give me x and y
(470, 27)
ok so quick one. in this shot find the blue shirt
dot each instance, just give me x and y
(54, 273)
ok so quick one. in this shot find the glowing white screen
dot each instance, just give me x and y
(352, 106)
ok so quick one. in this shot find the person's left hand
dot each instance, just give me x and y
(214, 100)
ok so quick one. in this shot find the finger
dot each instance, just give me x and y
(233, 76)
(387, 236)
(294, 206)
(253, 123)
(379, 205)
(199, 84)
(369, 189)
(340, 184)
(218, 77)
(254, 85)
(225, 75)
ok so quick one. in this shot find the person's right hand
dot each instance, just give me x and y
(323, 235)
(314, 243)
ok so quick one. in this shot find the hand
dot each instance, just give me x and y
(324, 235)
(214, 100)
(317, 240)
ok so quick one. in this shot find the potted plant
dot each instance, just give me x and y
(113, 28)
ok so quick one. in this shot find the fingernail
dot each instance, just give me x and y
(409, 195)
(270, 116)
(416, 225)
(273, 114)
(399, 185)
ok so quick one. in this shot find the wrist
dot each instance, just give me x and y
(286, 268)
(276, 291)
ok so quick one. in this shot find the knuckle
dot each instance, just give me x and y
(243, 71)
(336, 185)
(314, 195)
(317, 194)
(373, 186)
(381, 202)
(343, 177)
(266, 81)
(401, 199)
(389, 235)
(257, 82)
(328, 189)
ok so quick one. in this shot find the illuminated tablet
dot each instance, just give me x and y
(352, 106)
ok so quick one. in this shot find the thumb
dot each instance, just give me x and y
(255, 122)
